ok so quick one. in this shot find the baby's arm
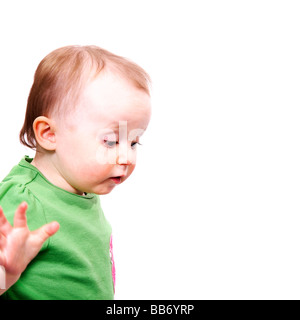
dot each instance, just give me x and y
(19, 245)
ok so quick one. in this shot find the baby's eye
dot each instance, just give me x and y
(110, 143)
(133, 144)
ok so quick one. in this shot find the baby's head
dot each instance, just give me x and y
(86, 110)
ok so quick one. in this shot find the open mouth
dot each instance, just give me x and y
(116, 180)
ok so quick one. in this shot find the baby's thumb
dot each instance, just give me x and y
(47, 231)
(2, 261)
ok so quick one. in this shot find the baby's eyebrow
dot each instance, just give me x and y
(113, 126)
(109, 133)
(110, 127)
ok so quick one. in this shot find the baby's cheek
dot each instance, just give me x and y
(98, 172)
(105, 155)
(130, 169)
(105, 171)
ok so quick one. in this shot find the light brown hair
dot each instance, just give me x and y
(61, 75)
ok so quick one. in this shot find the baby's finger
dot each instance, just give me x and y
(5, 226)
(2, 241)
(20, 220)
(2, 260)
(46, 231)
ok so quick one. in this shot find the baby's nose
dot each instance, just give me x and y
(126, 156)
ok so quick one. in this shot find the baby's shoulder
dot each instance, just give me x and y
(14, 189)
(18, 175)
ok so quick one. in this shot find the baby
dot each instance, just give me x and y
(86, 111)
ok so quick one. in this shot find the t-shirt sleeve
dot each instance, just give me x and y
(12, 195)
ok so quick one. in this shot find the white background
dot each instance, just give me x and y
(212, 210)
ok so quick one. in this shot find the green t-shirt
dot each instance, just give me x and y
(75, 263)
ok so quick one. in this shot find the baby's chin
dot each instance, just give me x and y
(100, 193)
(106, 186)
(101, 190)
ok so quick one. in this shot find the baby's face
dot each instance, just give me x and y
(97, 143)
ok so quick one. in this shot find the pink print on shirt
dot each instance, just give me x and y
(113, 270)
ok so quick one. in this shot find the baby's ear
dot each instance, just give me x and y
(44, 131)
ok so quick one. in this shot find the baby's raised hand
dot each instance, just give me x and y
(19, 245)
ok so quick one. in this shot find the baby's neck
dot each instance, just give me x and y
(46, 165)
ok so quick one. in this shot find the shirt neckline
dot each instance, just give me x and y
(26, 162)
